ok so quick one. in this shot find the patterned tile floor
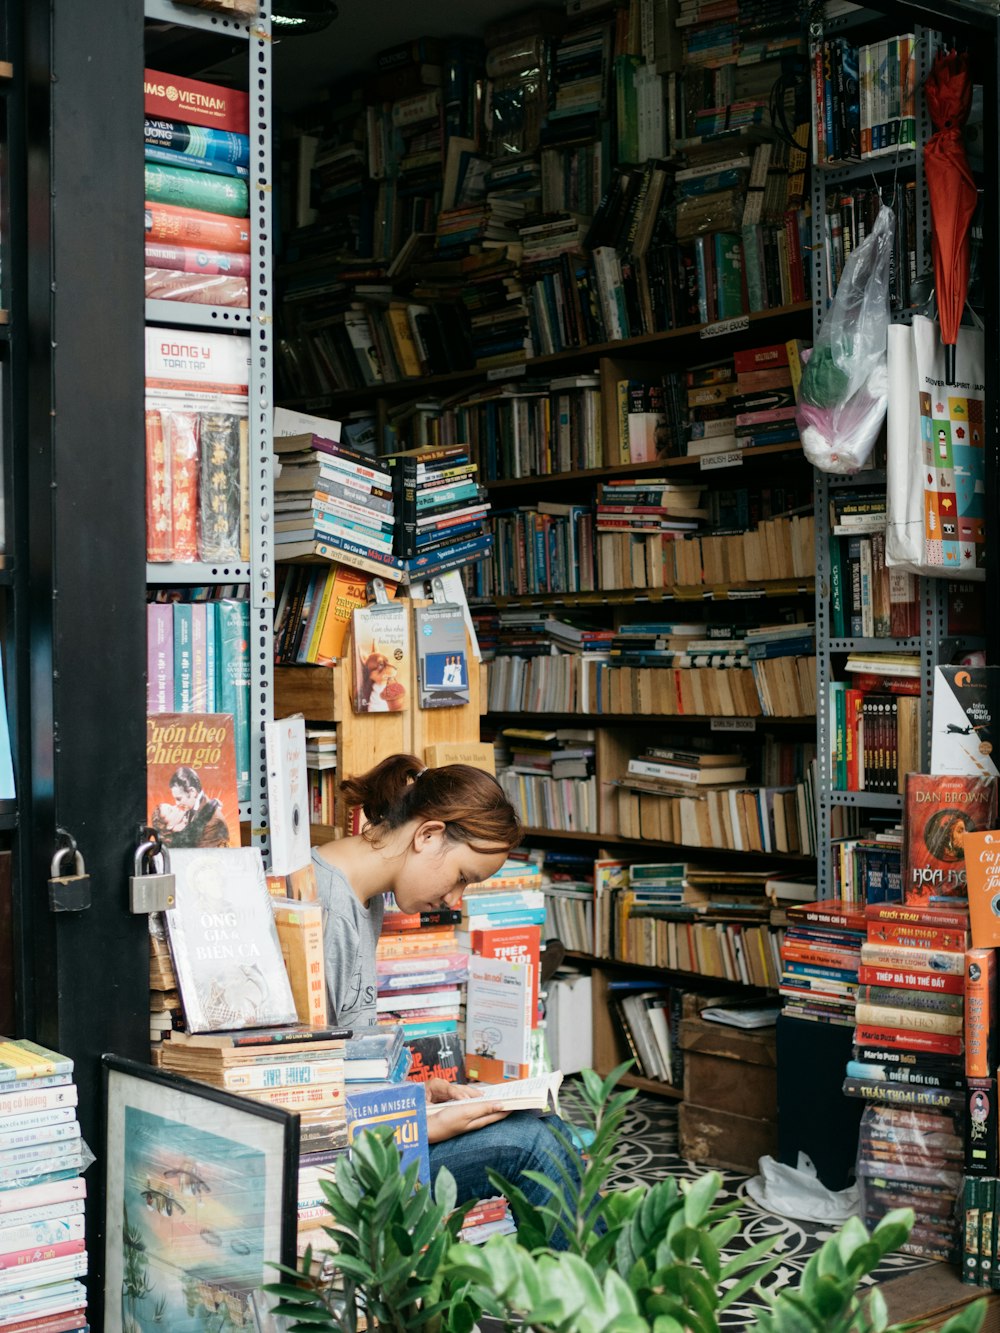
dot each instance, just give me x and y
(650, 1153)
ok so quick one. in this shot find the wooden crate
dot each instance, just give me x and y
(722, 1138)
(729, 1069)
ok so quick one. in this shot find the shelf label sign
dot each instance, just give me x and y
(731, 458)
(733, 724)
(723, 326)
(506, 372)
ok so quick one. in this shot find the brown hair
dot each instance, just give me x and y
(470, 803)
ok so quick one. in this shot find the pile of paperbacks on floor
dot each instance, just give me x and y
(42, 1230)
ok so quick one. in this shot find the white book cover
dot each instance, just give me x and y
(498, 1020)
(289, 422)
(224, 941)
(287, 794)
(963, 719)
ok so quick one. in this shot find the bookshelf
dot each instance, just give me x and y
(169, 26)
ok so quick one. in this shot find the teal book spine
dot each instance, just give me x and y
(183, 663)
(192, 189)
(233, 682)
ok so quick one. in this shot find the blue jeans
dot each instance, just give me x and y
(521, 1142)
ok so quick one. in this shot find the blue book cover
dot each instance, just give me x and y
(404, 1106)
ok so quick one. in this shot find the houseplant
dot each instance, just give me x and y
(646, 1260)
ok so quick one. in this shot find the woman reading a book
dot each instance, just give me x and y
(429, 833)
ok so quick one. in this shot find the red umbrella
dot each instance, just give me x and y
(951, 190)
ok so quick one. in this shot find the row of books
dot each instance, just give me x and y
(554, 547)
(198, 662)
(849, 217)
(313, 611)
(865, 98)
(197, 169)
(876, 738)
(867, 598)
(591, 683)
(736, 817)
(43, 1247)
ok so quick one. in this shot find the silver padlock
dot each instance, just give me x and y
(68, 893)
(151, 892)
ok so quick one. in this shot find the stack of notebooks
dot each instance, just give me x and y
(441, 511)
(42, 1243)
(820, 957)
(197, 196)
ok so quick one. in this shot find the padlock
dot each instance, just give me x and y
(151, 892)
(69, 893)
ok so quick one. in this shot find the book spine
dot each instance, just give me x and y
(906, 1040)
(915, 1020)
(911, 979)
(981, 1155)
(980, 1013)
(233, 683)
(252, 1078)
(228, 196)
(198, 141)
(52, 1231)
(191, 227)
(896, 997)
(219, 493)
(922, 960)
(58, 1250)
(182, 701)
(159, 516)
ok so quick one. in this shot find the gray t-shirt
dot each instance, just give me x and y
(350, 934)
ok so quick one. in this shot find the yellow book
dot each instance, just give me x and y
(402, 341)
(300, 932)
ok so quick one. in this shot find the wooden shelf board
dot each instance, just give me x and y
(320, 833)
(700, 592)
(618, 840)
(612, 719)
(629, 1080)
(571, 356)
(630, 469)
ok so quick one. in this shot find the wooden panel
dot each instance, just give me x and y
(612, 752)
(431, 726)
(728, 1043)
(747, 1089)
(310, 690)
(720, 1138)
(936, 1293)
(609, 1048)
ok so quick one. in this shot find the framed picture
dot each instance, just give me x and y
(201, 1199)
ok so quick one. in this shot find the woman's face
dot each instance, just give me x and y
(958, 833)
(436, 870)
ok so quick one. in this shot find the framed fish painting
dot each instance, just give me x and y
(201, 1201)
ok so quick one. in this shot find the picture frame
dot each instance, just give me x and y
(201, 1201)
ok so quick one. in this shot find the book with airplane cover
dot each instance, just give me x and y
(962, 720)
(191, 779)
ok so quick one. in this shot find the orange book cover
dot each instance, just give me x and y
(982, 864)
(939, 813)
(191, 779)
(180, 431)
(980, 1012)
(190, 226)
(350, 590)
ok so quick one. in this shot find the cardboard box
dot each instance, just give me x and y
(569, 1026)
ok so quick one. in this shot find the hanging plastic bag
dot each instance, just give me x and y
(844, 389)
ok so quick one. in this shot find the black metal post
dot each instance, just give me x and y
(87, 536)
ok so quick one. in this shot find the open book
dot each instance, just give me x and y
(523, 1094)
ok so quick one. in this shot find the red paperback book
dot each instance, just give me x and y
(954, 917)
(938, 811)
(903, 1039)
(195, 103)
(942, 983)
(830, 912)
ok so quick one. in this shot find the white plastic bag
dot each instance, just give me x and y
(844, 390)
(797, 1192)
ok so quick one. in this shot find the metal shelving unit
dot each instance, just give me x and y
(256, 323)
(933, 592)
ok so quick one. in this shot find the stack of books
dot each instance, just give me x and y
(511, 897)
(489, 1217)
(568, 884)
(333, 501)
(42, 1234)
(375, 1057)
(421, 973)
(549, 778)
(910, 1059)
(820, 958)
(299, 1067)
(876, 715)
(441, 512)
(197, 196)
(165, 1012)
(649, 1021)
(321, 773)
